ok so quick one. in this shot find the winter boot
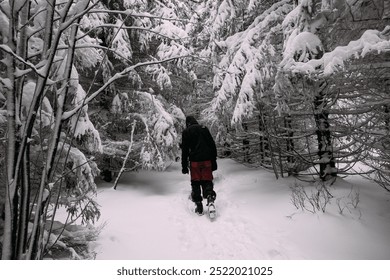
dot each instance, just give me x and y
(199, 208)
(210, 200)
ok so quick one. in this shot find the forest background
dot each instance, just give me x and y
(95, 88)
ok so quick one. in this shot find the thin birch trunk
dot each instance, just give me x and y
(24, 201)
(24, 209)
(11, 182)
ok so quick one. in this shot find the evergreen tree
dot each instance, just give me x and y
(316, 53)
(277, 94)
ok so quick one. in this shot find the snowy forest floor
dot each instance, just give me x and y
(149, 216)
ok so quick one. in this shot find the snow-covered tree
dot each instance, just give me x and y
(151, 32)
(277, 78)
(245, 45)
(317, 51)
(39, 82)
(302, 44)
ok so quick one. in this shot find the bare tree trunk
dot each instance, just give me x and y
(263, 139)
(266, 144)
(24, 189)
(289, 142)
(8, 251)
(24, 208)
(325, 148)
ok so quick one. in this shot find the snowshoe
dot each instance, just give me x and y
(211, 207)
(212, 211)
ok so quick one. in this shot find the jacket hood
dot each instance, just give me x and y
(190, 120)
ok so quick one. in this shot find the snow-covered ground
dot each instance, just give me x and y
(149, 217)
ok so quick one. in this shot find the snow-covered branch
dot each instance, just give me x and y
(131, 13)
(158, 33)
(127, 154)
(372, 41)
(116, 77)
(37, 69)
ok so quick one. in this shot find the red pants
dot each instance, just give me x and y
(201, 171)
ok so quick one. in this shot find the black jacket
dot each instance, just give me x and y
(197, 143)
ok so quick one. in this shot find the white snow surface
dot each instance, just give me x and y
(149, 217)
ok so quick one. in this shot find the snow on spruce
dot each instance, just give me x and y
(371, 41)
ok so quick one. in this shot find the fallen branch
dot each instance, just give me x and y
(127, 155)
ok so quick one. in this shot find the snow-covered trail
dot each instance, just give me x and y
(149, 216)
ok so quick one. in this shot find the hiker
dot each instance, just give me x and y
(198, 148)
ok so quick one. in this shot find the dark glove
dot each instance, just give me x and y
(214, 165)
(184, 170)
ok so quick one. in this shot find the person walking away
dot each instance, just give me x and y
(200, 152)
